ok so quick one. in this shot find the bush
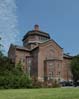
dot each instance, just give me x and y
(46, 84)
(12, 76)
(25, 82)
(55, 84)
(52, 84)
(13, 81)
(36, 83)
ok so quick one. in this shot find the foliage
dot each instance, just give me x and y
(19, 66)
(18, 69)
(75, 68)
(0, 43)
(5, 65)
(14, 81)
(25, 81)
(12, 76)
(46, 84)
(38, 84)
(52, 84)
(55, 84)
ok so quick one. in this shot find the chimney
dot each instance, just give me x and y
(36, 27)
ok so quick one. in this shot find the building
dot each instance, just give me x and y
(41, 57)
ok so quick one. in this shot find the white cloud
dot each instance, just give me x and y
(8, 23)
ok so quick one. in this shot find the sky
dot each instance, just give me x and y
(60, 18)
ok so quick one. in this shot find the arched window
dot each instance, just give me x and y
(50, 53)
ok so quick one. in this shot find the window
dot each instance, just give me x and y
(50, 71)
(29, 63)
(41, 38)
(50, 66)
(50, 76)
(50, 53)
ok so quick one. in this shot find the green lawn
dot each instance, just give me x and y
(51, 93)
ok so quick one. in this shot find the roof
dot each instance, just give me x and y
(67, 56)
(22, 48)
(36, 32)
(26, 49)
(53, 41)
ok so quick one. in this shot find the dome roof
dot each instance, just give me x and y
(36, 31)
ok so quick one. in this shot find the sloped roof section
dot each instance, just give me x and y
(19, 47)
(22, 48)
(53, 41)
(67, 56)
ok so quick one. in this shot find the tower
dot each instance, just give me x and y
(34, 37)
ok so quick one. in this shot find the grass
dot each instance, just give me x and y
(49, 93)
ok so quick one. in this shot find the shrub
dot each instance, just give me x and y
(36, 83)
(55, 84)
(25, 81)
(13, 81)
(52, 84)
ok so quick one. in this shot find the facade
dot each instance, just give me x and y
(41, 57)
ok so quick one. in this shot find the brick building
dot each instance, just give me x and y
(41, 57)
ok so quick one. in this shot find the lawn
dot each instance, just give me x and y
(49, 93)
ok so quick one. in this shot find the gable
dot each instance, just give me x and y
(51, 50)
(51, 43)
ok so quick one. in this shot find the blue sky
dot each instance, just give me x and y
(60, 18)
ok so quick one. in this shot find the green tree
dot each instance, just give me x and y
(0, 40)
(5, 63)
(12, 76)
(75, 68)
(0, 48)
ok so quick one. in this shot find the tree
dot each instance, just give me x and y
(1, 54)
(12, 76)
(75, 68)
(5, 63)
(0, 40)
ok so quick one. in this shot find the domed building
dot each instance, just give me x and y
(41, 57)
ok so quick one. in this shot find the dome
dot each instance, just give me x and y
(36, 31)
